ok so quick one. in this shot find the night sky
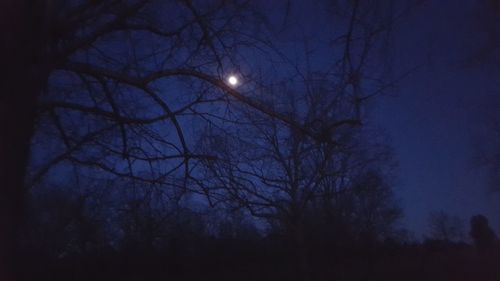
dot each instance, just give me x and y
(261, 140)
(436, 117)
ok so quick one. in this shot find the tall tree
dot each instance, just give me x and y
(99, 69)
(114, 86)
(277, 172)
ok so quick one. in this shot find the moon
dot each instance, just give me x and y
(232, 80)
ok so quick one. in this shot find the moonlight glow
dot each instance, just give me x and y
(232, 80)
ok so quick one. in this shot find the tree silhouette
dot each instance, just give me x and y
(93, 73)
(446, 227)
(119, 89)
(279, 172)
(481, 232)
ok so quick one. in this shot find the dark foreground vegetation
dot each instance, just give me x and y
(267, 259)
(76, 238)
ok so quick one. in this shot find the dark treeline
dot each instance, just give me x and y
(77, 233)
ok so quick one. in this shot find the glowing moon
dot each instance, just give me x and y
(232, 80)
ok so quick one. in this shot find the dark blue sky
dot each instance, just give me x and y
(435, 117)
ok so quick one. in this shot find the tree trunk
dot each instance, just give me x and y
(16, 129)
(301, 251)
(19, 88)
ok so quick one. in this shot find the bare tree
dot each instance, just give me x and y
(371, 205)
(67, 218)
(113, 86)
(446, 227)
(277, 172)
(102, 76)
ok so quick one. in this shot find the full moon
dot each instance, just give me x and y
(232, 80)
